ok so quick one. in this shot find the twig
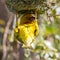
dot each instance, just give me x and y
(5, 38)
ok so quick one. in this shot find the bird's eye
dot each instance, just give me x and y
(31, 18)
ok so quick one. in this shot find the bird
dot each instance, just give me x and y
(27, 29)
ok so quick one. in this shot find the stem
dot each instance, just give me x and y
(5, 38)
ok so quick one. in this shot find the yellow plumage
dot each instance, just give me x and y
(27, 29)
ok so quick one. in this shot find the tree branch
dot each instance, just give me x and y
(5, 38)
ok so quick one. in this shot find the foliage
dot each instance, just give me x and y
(18, 5)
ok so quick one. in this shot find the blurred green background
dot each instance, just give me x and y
(45, 47)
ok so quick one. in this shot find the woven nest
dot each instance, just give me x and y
(18, 5)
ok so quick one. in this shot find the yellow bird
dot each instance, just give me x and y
(27, 29)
